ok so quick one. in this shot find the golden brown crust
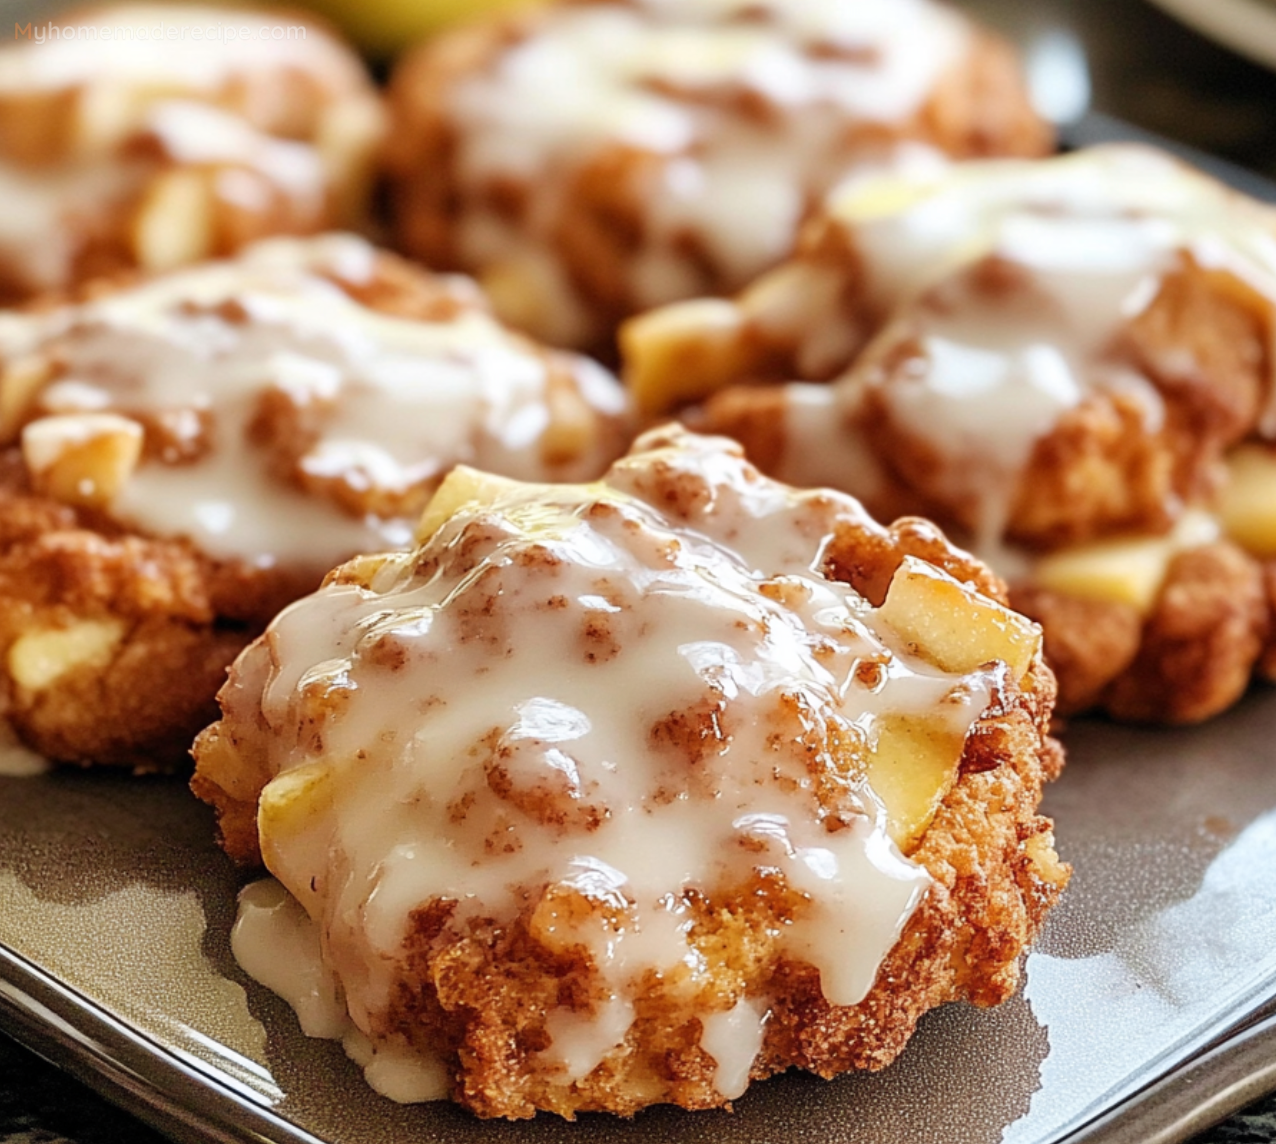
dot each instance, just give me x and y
(478, 993)
(232, 768)
(1088, 642)
(603, 217)
(1201, 641)
(182, 619)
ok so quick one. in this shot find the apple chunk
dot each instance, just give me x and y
(82, 458)
(462, 486)
(952, 626)
(291, 806)
(912, 768)
(39, 658)
(1247, 503)
(682, 353)
(1129, 571)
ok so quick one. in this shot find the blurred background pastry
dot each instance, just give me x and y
(155, 149)
(589, 160)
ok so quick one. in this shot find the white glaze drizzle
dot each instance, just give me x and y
(558, 639)
(1086, 240)
(391, 403)
(832, 451)
(406, 1076)
(277, 945)
(734, 1039)
(671, 79)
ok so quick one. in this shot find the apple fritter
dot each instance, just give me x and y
(629, 793)
(149, 135)
(589, 160)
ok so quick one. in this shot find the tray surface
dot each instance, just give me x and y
(115, 908)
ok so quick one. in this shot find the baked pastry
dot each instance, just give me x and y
(182, 456)
(626, 793)
(1050, 359)
(151, 134)
(589, 160)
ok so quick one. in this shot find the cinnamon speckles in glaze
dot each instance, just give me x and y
(183, 455)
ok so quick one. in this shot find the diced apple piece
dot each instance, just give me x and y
(528, 294)
(1119, 571)
(174, 224)
(1123, 571)
(1247, 503)
(39, 658)
(19, 383)
(81, 458)
(462, 486)
(954, 627)
(291, 806)
(682, 353)
(912, 768)
(361, 570)
(865, 200)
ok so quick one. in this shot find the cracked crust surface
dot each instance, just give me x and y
(476, 990)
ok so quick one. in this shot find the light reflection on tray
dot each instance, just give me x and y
(1245, 26)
